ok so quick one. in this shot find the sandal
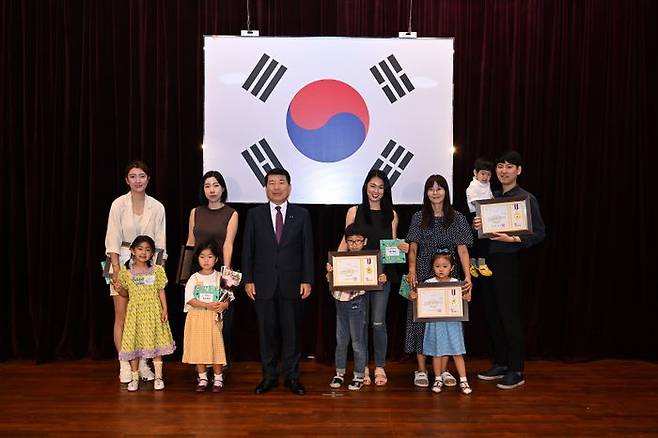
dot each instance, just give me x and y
(465, 387)
(420, 379)
(366, 377)
(380, 376)
(438, 384)
(337, 381)
(448, 379)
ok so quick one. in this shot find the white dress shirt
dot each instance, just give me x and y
(273, 206)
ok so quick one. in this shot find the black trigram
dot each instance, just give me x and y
(393, 160)
(388, 73)
(261, 159)
(268, 79)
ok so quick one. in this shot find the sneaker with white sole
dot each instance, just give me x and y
(337, 381)
(356, 384)
(438, 384)
(158, 384)
(420, 379)
(496, 372)
(133, 385)
(448, 379)
(145, 372)
(511, 380)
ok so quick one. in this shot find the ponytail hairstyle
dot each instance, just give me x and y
(137, 241)
(386, 201)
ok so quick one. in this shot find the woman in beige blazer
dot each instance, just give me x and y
(131, 215)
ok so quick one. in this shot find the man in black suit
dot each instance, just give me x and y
(277, 268)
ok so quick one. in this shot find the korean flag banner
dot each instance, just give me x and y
(328, 110)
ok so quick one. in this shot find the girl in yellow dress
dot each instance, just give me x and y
(203, 342)
(146, 332)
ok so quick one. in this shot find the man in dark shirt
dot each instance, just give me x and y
(502, 297)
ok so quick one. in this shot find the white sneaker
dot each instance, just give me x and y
(448, 379)
(158, 384)
(124, 371)
(145, 371)
(133, 385)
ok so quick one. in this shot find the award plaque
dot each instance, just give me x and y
(504, 215)
(185, 264)
(440, 301)
(390, 251)
(355, 270)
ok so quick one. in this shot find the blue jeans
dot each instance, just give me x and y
(377, 317)
(351, 323)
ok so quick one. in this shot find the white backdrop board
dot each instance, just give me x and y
(328, 110)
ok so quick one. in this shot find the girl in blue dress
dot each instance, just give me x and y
(445, 338)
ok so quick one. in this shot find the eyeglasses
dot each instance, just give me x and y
(354, 241)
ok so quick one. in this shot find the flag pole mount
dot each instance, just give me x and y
(408, 34)
(250, 33)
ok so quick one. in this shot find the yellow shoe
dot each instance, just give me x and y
(485, 271)
(474, 271)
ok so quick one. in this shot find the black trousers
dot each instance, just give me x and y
(502, 305)
(227, 332)
(279, 334)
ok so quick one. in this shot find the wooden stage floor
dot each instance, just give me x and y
(84, 398)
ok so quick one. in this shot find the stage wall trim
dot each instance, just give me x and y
(328, 110)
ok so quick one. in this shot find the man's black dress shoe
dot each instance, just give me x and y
(295, 386)
(264, 386)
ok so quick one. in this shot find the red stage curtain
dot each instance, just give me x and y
(85, 86)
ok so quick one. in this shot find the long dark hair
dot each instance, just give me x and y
(386, 201)
(220, 179)
(137, 241)
(428, 213)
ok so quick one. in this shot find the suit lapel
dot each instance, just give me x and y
(268, 222)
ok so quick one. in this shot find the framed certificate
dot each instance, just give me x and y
(390, 251)
(355, 270)
(440, 302)
(504, 215)
(185, 264)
